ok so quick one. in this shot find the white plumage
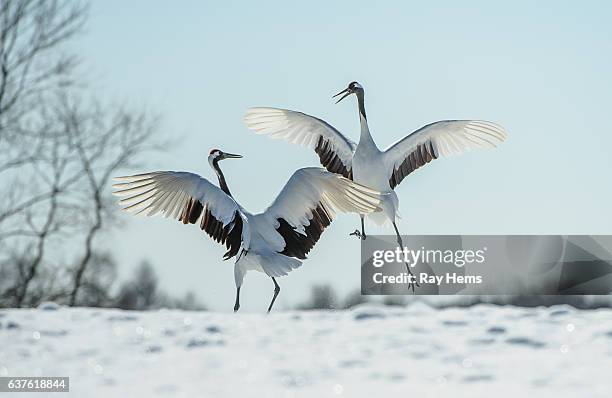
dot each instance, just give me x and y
(274, 241)
(364, 162)
(448, 137)
(169, 192)
(299, 128)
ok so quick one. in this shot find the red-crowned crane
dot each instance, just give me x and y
(273, 242)
(364, 162)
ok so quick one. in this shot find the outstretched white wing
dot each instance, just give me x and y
(190, 199)
(334, 149)
(438, 139)
(307, 205)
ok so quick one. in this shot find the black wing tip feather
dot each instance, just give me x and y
(191, 212)
(330, 160)
(230, 235)
(420, 156)
(298, 245)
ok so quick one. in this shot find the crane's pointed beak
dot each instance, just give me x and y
(346, 93)
(231, 156)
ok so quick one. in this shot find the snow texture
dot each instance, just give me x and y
(484, 350)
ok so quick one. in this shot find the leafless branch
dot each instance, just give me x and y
(58, 152)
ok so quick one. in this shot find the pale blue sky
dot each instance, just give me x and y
(541, 70)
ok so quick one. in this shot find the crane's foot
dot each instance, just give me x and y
(358, 234)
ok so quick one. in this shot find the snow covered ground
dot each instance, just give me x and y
(416, 351)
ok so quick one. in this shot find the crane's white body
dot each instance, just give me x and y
(264, 247)
(369, 170)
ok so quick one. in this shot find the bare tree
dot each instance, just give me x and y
(188, 302)
(140, 293)
(58, 151)
(32, 65)
(104, 141)
(31, 31)
(32, 167)
(98, 281)
(321, 297)
(48, 226)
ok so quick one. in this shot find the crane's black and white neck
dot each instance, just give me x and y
(357, 89)
(365, 138)
(359, 92)
(214, 157)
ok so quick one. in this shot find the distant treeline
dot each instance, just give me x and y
(324, 297)
(101, 288)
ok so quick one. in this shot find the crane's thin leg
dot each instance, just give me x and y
(237, 304)
(401, 244)
(361, 235)
(276, 291)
